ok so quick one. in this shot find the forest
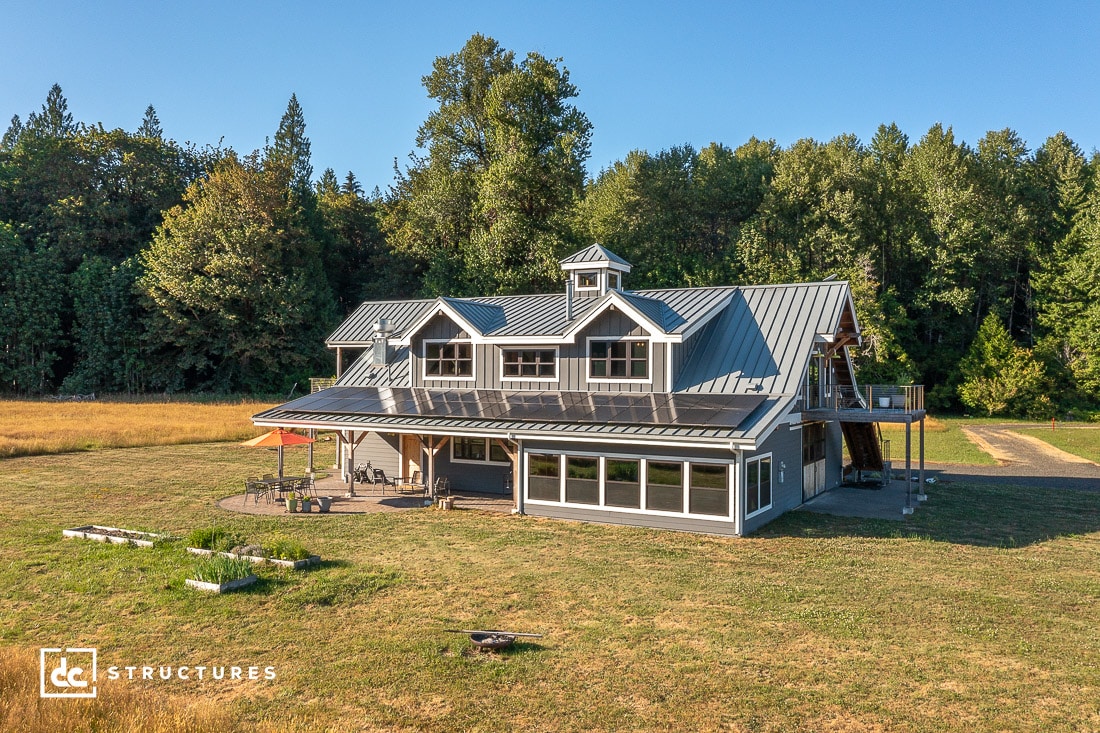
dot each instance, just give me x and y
(135, 264)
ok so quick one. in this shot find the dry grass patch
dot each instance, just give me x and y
(118, 708)
(35, 427)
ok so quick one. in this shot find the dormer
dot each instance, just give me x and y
(594, 270)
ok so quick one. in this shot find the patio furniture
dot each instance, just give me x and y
(413, 484)
(442, 486)
(380, 478)
(251, 486)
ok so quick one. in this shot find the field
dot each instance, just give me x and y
(1080, 441)
(34, 427)
(944, 442)
(979, 613)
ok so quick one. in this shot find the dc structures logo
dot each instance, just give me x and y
(69, 672)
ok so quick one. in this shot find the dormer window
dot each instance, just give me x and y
(448, 360)
(612, 280)
(588, 280)
(618, 360)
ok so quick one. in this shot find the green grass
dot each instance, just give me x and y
(978, 614)
(944, 442)
(1080, 441)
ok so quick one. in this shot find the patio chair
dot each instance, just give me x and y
(442, 486)
(381, 479)
(415, 484)
(253, 488)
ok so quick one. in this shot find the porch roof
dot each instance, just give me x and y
(706, 418)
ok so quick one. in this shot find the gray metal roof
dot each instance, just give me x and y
(763, 339)
(594, 253)
(364, 373)
(358, 328)
(484, 317)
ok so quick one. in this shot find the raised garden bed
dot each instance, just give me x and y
(221, 587)
(114, 535)
(295, 564)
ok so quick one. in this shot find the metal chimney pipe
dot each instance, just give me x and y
(569, 299)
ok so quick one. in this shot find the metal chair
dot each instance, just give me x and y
(415, 484)
(380, 478)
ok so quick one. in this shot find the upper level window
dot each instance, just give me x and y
(530, 364)
(588, 280)
(618, 359)
(454, 360)
(613, 280)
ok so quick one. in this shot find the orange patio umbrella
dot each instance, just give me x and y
(278, 438)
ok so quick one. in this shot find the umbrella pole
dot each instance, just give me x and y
(280, 461)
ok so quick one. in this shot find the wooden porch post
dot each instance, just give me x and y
(432, 449)
(514, 452)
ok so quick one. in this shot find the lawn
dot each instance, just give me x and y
(980, 613)
(38, 427)
(944, 442)
(1080, 441)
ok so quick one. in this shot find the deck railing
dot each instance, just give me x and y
(316, 384)
(870, 397)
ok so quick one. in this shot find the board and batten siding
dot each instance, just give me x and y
(382, 450)
(572, 359)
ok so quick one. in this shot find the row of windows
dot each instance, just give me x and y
(606, 360)
(630, 483)
(477, 449)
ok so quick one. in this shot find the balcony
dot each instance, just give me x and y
(869, 403)
(316, 384)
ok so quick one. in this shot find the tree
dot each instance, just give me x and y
(288, 158)
(1000, 377)
(54, 120)
(242, 299)
(150, 124)
(487, 209)
(30, 316)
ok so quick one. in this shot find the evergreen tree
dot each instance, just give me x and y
(999, 377)
(54, 120)
(150, 124)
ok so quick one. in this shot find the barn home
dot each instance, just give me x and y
(702, 409)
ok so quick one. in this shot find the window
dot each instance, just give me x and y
(622, 483)
(582, 480)
(543, 471)
(613, 280)
(531, 364)
(453, 360)
(618, 359)
(758, 485)
(708, 492)
(588, 280)
(477, 449)
(664, 486)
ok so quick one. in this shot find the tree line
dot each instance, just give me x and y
(133, 263)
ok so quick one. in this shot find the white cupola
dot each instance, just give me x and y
(594, 270)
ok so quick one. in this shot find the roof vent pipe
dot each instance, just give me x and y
(569, 299)
(382, 351)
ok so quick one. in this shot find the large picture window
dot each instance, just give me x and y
(664, 486)
(543, 477)
(454, 360)
(618, 359)
(582, 479)
(530, 364)
(622, 483)
(758, 485)
(708, 490)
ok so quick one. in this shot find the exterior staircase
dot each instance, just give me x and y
(864, 445)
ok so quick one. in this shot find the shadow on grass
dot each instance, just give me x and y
(987, 515)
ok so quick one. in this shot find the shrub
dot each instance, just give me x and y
(218, 539)
(282, 548)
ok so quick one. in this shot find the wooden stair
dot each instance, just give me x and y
(864, 445)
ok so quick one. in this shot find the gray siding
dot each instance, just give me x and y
(485, 478)
(834, 454)
(382, 450)
(785, 445)
(440, 327)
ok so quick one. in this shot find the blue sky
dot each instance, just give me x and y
(651, 74)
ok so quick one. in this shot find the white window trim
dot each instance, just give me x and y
(586, 288)
(617, 380)
(488, 447)
(643, 465)
(439, 378)
(547, 380)
(771, 473)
